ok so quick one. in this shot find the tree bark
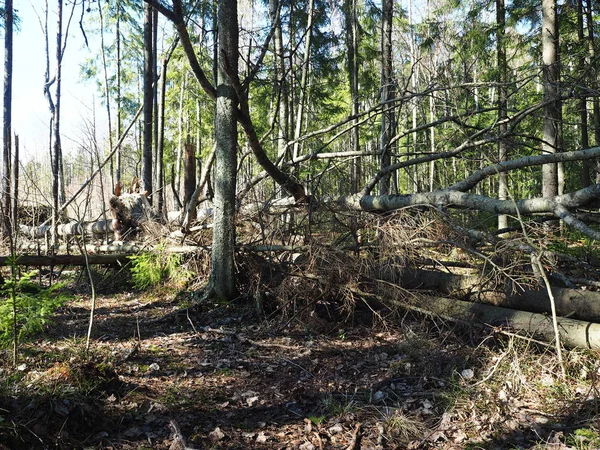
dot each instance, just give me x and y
(189, 180)
(66, 260)
(15, 182)
(502, 105)
(574, 303)
(222, 277)
(118, 93)
(281, 81)
(387, 93)
(7, 118)
(574, 333)
(350, 10)
(148, 100)
(304, 77)
(550, 80)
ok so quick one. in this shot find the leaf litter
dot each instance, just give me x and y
(221, 378)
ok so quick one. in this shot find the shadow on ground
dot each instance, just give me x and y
(231, 381)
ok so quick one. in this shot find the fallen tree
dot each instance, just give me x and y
(573, 333)
(65, 260)
(574, 303)
(565, 207)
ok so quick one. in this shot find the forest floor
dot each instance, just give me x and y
(229, 379)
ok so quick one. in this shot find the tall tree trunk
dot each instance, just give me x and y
(60, 49)
(15, 184)
(222, 277)
(594, 79)
(106, 92)
(414, 104)
(148, 101)
(160, 144)
(180, 118)
(155, 106)
(281, 83)
(160, 139)
(431, 141)
(119, 124)
(387, 93)
(54, 103)
(550, 79)
(502, 105)
(304, 79)
(350, 9)
(7, 117)
(583, 110)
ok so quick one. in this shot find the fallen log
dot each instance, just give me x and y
(574, 333)
(574, 303)
(89, 248)
(98, 228)
(65, 260)
(120, 255)
(129, 248)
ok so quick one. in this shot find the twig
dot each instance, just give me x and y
(536, 259)
(493, 369)
(179, 442)
(559, 356)
(298, 366)
(355, 442)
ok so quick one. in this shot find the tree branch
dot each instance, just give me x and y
(175, 15)
(527, 161)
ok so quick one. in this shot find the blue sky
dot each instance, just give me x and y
(31, 115)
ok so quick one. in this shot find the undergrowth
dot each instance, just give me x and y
(149, 269)
(35, 306)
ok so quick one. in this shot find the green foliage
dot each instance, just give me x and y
(35, 306)
(584, 438)
(317, 420)
(151, 268)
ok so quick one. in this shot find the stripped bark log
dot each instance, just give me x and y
(129, 211)
(98, 228)
(129, 248)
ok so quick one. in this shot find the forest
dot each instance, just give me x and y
(313, 224)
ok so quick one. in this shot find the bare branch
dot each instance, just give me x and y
(527, 161)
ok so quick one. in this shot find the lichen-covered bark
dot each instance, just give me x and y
(586, 197)
(222, 280)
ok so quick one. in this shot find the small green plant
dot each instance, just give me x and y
(584, 439)
(34, 306)
(316, 420)
(224, 372)
(339, 408)
(151, 268)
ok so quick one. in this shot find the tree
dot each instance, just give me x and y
(54, 105)
(7, 117)
(351, 22)
(149, 89)
(388, 117)
(550, 80)
(222, 281)
(502, 104)
(281, 80)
